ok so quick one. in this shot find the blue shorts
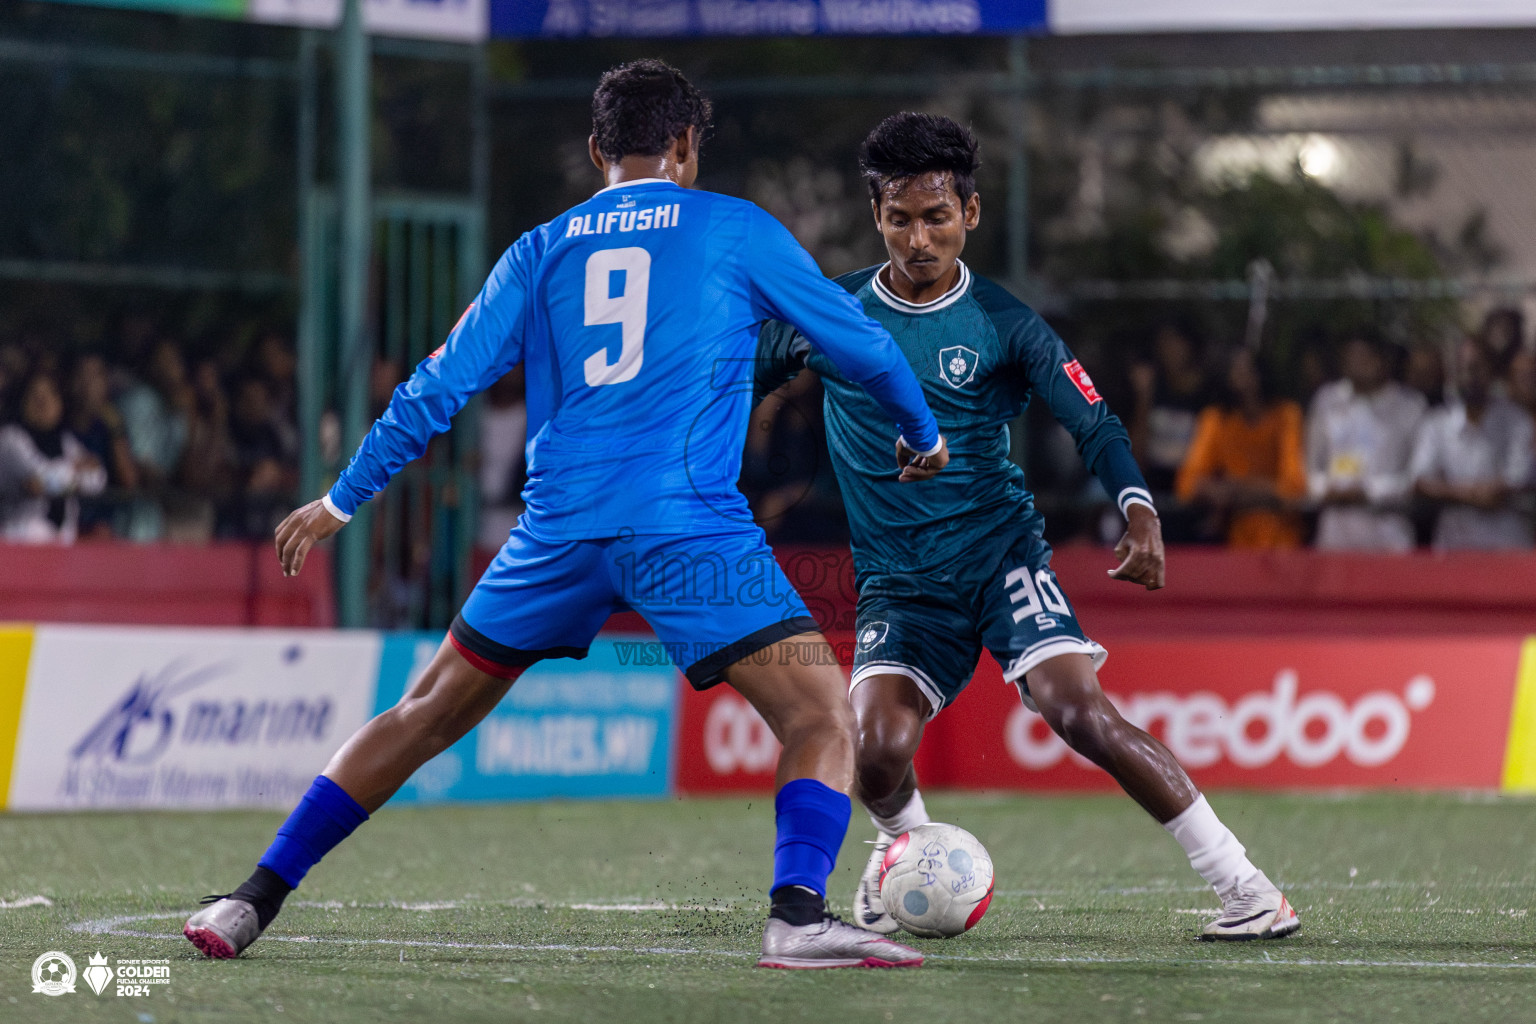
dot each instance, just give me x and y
(931, 627)
(712, 598)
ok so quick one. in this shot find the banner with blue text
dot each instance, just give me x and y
(571, 19)
(599, 727)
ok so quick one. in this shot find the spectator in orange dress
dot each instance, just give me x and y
(1245, 462)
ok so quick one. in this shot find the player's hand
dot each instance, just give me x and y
(302, 530)
(916, 467)
(1141, 549)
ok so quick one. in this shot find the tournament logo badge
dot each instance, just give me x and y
(1084, 383)
(97, 974)
(957, 365)
(873, 635)
(53, 974)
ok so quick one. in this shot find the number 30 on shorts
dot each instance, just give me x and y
(1037, 593)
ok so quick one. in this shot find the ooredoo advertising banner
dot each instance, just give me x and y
(136, 717)
(1262, 713)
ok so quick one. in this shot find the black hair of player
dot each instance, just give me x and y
(907, 144)
(640, 109)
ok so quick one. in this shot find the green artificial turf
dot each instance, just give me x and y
(1414, 908)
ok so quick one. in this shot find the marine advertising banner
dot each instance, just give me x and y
(141, 717)
(566, 19)
(599, 727)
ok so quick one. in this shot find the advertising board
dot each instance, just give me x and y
(599, 727)
(132, 717)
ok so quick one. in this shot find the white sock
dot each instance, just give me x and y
(904, 820)
(1213, 850)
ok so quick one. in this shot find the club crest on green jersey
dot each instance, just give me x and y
(957, 365)
(872, 634)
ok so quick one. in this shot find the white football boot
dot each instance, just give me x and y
(1255, 910)
(868, 908)
(830, 942)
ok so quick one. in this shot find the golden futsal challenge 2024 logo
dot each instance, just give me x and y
(54, 974)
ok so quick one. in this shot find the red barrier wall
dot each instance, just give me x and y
(226, 584)
(1215, 591)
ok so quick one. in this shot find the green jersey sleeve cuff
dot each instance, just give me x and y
(1134, 496)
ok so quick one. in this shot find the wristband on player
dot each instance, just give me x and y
(901, 440)
(330, 506)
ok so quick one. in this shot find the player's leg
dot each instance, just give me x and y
(534, 601)
(1033, 632)
(798, 688)
(725, 612)
(891, 712)
(1066, 690)
(449, 699)
(916, 650)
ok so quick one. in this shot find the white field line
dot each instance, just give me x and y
(115, 926)
(1351, 885)
(26, 901)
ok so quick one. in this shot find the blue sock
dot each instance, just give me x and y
(812, 819)
(325, 817)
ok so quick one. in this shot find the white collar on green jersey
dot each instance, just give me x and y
(900, 304)
(632, 182)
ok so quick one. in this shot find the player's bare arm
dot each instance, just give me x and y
(1141, 549)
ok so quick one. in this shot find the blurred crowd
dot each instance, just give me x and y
(1376, 447)
(1379, 448)
(144, 442)
(1396, 448)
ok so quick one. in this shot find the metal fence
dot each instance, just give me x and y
(1273, 193)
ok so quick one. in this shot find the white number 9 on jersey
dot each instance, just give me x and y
(628, 309)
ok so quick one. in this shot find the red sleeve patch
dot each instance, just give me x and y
(1079, 376)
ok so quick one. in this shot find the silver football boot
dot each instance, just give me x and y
(223, 928)
(830, 943)
(1257, 910)
(868, 908)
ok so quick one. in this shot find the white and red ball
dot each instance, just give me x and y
(936, 880)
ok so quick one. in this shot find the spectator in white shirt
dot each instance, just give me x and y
(1473, 457)
(43, 467)
(1359, 441)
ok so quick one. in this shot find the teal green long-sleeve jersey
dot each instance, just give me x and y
(980, 355)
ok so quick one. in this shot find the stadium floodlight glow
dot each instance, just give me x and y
(1318, 156)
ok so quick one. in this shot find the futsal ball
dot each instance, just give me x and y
(936, 880)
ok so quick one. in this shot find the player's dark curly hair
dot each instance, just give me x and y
(905, 145)
(641, 107)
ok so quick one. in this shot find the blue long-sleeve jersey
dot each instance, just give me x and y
(636, 314)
